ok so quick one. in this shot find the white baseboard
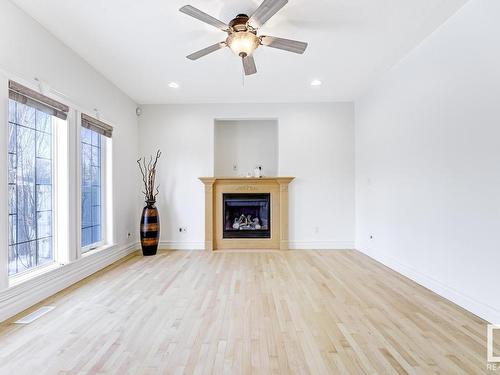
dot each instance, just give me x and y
(320, 245)
(182, 245)
(294, 245)
(482, 310)
(22, 296)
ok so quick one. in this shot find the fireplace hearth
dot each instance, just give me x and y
(246, 215)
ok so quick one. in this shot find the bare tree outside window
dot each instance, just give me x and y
(30, 187)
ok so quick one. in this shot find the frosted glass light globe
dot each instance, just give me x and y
(243, 43)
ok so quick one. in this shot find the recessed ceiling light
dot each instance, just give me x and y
(173, 85)
(316, 82)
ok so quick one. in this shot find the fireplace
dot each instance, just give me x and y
(264, 198)
(246, 215)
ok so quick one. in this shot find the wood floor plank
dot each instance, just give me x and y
(247, 312)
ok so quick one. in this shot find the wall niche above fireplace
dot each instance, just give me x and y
(246, 213)
(242, 145)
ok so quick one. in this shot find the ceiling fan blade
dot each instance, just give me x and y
(265, 11)
(284, 44)
(202, 16)
(205, 51)
(249, 65)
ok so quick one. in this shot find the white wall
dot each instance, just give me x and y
(246, 145)
(315, 145)
(428, 162)
(26, 51)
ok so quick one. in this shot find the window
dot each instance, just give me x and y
(32, 126)
(30, 187)
(42, 205)
(93, 135)
(91, 188)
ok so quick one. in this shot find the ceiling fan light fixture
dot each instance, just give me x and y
(243, 43)
(242, 34)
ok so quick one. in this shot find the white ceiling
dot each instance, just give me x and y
(141, 45)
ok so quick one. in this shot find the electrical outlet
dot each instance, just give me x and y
(235, 167)
(182, 229)
(371, 236)
(129, 235)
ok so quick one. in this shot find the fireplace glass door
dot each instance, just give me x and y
(247, 215)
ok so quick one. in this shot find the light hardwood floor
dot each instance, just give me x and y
(311, 312)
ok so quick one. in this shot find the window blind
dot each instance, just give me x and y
(97, 125)
(34, 99)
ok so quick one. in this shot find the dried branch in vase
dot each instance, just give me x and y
(148, 172)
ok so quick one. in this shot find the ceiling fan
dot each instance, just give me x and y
(242, 33)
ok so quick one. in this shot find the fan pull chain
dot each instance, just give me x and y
(242, 74)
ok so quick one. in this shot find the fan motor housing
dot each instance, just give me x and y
(240, 23)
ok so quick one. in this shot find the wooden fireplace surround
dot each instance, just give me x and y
(216, 186)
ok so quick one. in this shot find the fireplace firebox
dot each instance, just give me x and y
(246, 215)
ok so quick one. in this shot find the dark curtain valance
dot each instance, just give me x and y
(97, 125)
(34, 99)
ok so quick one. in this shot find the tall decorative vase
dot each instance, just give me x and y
(150, 229)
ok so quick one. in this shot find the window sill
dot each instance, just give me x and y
(36, 272)
(42, 270)
(96, 250)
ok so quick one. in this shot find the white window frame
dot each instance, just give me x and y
(57, 208)
(106, 190)
(66, 204)
(4, 190)
(103, 241)
(66, 191)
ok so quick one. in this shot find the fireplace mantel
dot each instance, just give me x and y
(215, 187)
